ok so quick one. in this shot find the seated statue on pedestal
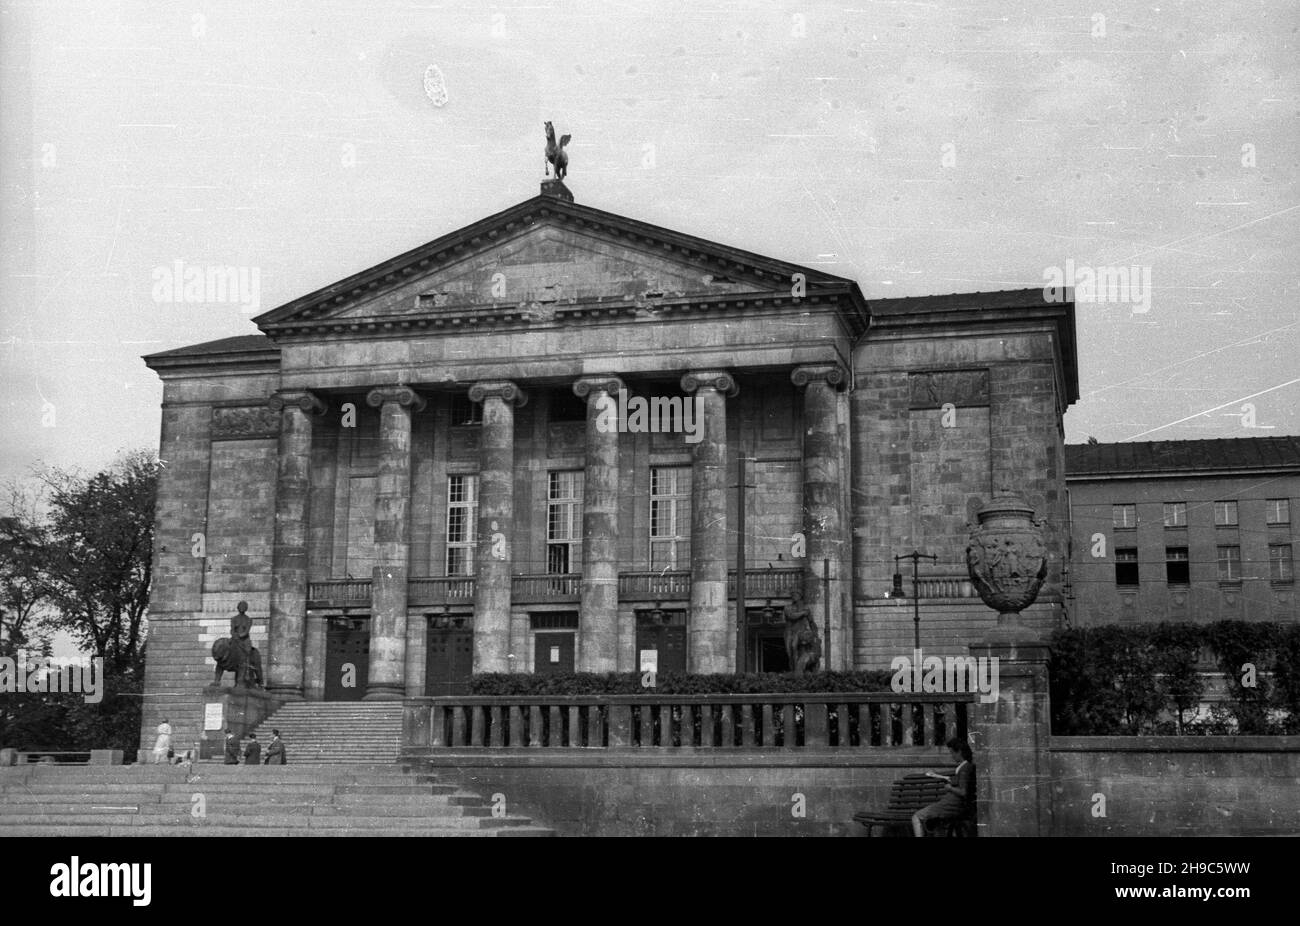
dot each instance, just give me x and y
(236, 652)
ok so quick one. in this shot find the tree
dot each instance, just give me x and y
(98, 558)
(1178, 649)
(24, 585)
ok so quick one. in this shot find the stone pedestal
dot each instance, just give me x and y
(711, 636)
(284, 664)
(242, 709)
(1010, 739)
(496, 516)
(598, 613)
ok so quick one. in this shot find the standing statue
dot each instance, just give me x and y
(555, 154)
(236, 652)
(803, 645)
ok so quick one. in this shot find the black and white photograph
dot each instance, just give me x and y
(865, 420)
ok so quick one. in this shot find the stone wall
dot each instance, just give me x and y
(754, 794)
(1175, 786)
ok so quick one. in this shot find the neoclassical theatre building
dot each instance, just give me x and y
(405, 477)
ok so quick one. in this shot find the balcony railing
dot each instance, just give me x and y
(767, 583)
(654, 586)
(844, 720)
(338, 593)
(533, 589)
(440, 590)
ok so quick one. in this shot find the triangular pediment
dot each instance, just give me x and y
(540, 257)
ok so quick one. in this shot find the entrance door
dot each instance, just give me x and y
(666, 637)
(552, 653)
(449, 662)
(347, 658)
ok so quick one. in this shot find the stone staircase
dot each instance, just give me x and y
(236, 800)
(347, 732)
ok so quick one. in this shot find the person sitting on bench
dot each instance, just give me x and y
(959, 797)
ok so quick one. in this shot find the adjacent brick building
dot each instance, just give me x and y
(405, 475)
(1198, 530)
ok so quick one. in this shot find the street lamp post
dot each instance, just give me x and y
(915, 556)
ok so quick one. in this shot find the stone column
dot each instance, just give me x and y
(289, 553)
(824, 518)
(496, 511)
(598, 617)
(711, 636)
(392, 532)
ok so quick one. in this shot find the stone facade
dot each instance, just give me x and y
(416, 454)
(1239, 494)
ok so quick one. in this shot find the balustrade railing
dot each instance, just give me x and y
(654, 586)
(441, 589)
(546, 588)
(848, 720)
(338, 592)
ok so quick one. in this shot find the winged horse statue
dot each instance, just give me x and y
(555, 154)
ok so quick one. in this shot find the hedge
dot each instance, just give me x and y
(1125, 679)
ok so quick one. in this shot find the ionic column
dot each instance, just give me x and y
(496, 512)
(598, 616)
(392, 531)
(824, 518)
(712, 644)
(289, 553)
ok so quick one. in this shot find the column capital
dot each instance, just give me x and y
(503, 389)
(830, 373)
(309, 402)
(720, 380)
(402, 395)
(587, 385)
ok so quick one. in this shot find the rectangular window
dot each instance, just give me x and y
(1126, 566)
(463, 411)
(564, 523)
(670, 517)
(1175, 514)
(1124, 517)
(1225, 514)
(462, 517)
(1280, 567)
(1278, 511)
(1177, 566)
(1230, 564)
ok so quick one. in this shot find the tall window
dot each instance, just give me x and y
(1225, 514)
(1280, 567)
(1230, 564)
(564, 523)
(463, 411)
(670, 517)
(1126, 566)
(1177, 566)
(1124, 517)
(1175, 514)
(1278, 511)
(462, 514)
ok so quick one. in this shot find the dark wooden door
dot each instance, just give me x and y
(553, 653)
(449, 662)
(669, 641)
(347, 659)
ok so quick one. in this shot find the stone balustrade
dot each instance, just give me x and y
(839, 720)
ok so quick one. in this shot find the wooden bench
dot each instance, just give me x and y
(908, 795)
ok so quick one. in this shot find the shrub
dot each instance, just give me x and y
(629, 683)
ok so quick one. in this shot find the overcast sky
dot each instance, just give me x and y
(915, 147)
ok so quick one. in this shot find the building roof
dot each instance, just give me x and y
(1182, 456)
(236, 345)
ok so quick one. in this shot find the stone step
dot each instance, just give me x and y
(86, 831)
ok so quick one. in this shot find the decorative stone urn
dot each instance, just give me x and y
(1007, 561)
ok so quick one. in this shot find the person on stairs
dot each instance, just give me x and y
(253, 751)
(163, 744)
(275, 752)
(232, 748)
